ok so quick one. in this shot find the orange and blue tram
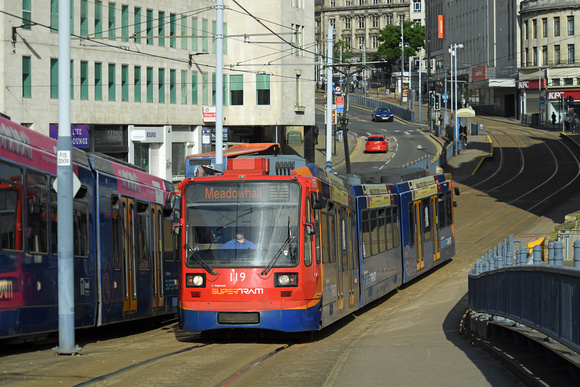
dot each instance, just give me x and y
(321, 247)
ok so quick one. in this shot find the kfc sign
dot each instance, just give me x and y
(554, 95)
(531, 84)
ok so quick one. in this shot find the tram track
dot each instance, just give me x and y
(522, 192)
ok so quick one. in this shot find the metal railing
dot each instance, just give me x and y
(515, 285)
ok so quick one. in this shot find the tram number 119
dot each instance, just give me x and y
(234, 276)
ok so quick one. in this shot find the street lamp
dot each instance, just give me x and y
(453, 52)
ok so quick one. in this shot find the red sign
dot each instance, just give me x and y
(340, 101)
(440, 27)
(556, 94)
(208, 114)
(531, 84)
(479, 73)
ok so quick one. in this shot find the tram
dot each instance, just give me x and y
(125, 260)
(320, 247)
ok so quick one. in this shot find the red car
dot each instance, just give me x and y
(376, 143)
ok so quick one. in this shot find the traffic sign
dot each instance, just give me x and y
(337, 89)
(445, 96)
(542, 100)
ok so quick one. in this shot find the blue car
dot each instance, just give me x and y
(383, 113)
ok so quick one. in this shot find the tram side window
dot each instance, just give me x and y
(116, 228)
(81, 224)
(307, 238)
(53, 218)
(343, 239)
(354, 241)
(168, 241)
(10, 202)
(426, 219)
(449, 208)
(366, 233)
(397, 238)
(142, 232)
(332, 236)
(318, 234)
(324, 235)
(389, 228)
(36, 203)
(412, 225)
(382, 219)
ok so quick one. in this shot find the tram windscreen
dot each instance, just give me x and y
(242, 224)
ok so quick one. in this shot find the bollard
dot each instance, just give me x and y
(577, 253)
(537, 255)
(551, 253)
(558, 254)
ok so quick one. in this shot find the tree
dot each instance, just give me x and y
(389, 49)
(346, 52)
(390, 38)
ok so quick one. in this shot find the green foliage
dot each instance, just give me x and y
(390, 38)
(346, 51)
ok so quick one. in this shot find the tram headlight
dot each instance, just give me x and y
(286, 280)
(195, 280)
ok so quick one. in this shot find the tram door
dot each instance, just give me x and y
(337, 254)
(435, 228)
(343, 258)
(416, 220)
(427, 228)
(157, 252)
(129, 273)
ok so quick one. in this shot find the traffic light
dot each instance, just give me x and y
(437, 105)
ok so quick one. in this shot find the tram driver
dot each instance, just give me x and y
(239, 242)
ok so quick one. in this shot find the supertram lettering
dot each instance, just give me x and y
(20, 147)
(229, 193)
(130, 180)
(6, 290)
(237, 291)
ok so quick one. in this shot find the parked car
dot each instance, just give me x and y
(376, 143)
(383, 113)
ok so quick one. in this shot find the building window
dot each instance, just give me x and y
(535, 54)
(361, 42)
(137, 24)
(526, 31)
(347, 22)
(84, 18)
(237, 89)
(263, 89)
(204, 88)
(535, 28)
(111, 82)
(124, 83)
(570, 25)
(556, 26)
(53, 78)
(568, 81)
(149, 23)
(149, 84)
(84, 80)
(333, 3)
(375, 42)
(172, 30)
(298, 100)
(347, 3)
(161, 88)
(204, 34)
(194, 88)
(137, 84)
(571, 54)
(194, 34)
(172, 86)
(184, 33)
(416, 5)
(389, 19)
(527, 57)
(557, 54)
(555, 81)
(98, 19)
(26, 14)
(26, 77)
(545, 27)
(375, 21)
(361, 22)
(98, 81)
(183, 87)
(332, 22)
(124, 23)
(545, 55)
(54, 16)
(214, 88)
(112, 24)
(161, 28)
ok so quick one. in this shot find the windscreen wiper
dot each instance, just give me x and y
(275, 258)
(199, 259)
